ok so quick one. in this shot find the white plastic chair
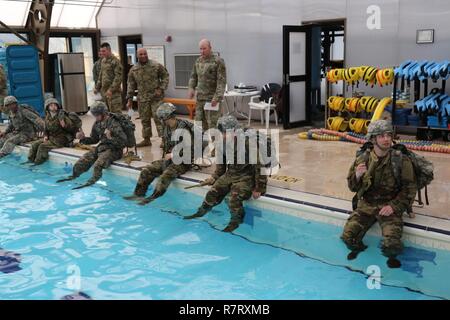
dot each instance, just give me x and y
(263, 107)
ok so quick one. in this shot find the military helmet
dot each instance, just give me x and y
(49, 101)
(227, 123)
(9, 100)
(379, 127)
(99, 108)
(166, 111)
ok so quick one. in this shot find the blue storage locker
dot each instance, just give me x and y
(5, 67)
(4, 63)
(24, 76)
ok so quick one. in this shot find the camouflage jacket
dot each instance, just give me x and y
(25, 122)
(53, 127)
(96, 70)
(234, 170)
(146, 78)
(119, 138)
(168, 135)
(110, 77)
(209, 78)
(3, 87)
(378, 186)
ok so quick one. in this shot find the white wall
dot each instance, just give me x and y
(248, 34)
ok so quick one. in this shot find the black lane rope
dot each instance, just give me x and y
(300, 254)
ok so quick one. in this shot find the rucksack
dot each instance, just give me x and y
(77, 124)
(128, 127)
(269, 158)
(38, 125)
(423, 169)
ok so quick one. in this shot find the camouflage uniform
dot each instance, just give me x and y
(3, 87)
(22, 128)
(105, 153)
(231, 177)
(165, 169)
(209, 79)
(147, 78)
(110, 78)
(375, 189)
(96, 70)
(58, 137)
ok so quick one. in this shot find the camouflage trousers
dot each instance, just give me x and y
(3, 94)
(147, 111)
(11, 140)
(240, 189)
(165, 170)
(206, 117)
(99, 160)
(40, 149)
(363, 218)
(114, 103)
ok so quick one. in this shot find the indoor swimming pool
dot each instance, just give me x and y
(55, 242)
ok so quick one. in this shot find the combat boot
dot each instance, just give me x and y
(236, 220)
(393, 263)
(153, 197)
(144, 143)
(138, 194)
(204, 209)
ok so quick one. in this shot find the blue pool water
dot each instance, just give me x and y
(60, 241)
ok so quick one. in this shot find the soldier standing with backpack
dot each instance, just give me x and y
(380, 197)
(24, 124)
(59, 132)
(108, 132)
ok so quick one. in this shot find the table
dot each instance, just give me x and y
(237, 95)
(189, 103)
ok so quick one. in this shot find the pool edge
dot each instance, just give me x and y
(420, 234)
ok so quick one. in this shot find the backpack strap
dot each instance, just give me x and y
(364, 154)
(397, 162)
(33, 116)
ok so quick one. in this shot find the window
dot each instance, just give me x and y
(58, 45)
(84, 45)
(65, 13)
(9, 38)
(183, 69)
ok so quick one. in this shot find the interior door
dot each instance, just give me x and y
(297, 76)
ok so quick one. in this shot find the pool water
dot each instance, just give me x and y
(93, 241)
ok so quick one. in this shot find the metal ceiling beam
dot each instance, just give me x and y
(38, 22)
(18, 35)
